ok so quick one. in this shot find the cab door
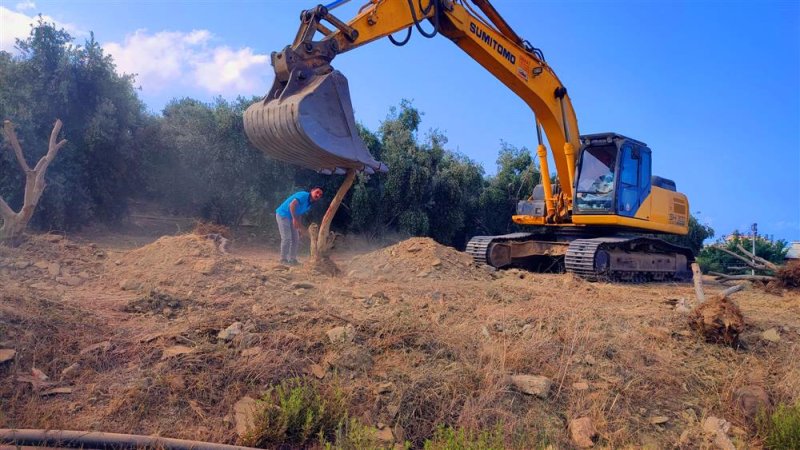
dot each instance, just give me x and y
(634, 179)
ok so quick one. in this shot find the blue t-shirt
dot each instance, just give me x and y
(303, 205)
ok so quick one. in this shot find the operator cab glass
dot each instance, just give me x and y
(595, 187)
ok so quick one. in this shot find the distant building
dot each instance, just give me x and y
(794, 251)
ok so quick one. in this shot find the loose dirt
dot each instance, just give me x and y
(167, 337)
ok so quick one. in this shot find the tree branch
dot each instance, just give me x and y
(763, 261)
(11, 136)
(52, 148)
(5, 211)
(743, 259)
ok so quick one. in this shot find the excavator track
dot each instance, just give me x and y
(478, 246)
(636, 259)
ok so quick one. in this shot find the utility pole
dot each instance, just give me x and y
(754, 229)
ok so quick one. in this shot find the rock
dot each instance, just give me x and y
(589, 359)
(582, 432)
(659, 420)
(118, 262)
(84, 275)
(485, 332)
(70, 371)
(355, 358)
(384, 435)
(423, 273)
(69, 280)
(340, 335)
(22, 264)
(580, 386)
(718, 429)
(436, 262)
(384, 388)
(317, 370)
(42, 264)
(7, 354)
(252, 351)
(752, 399)
(175, 350)
(244, 412)
(771, 335)
(40, 286)
(205, 267)
(532, 385)
(167, 311)
(55, 391)
(229, 333)
(100, 347)
(39, 375)
(53, 238)
(54, 269)
(249, 340)
(303, 285)
(130, 285)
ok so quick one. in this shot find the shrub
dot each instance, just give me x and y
(781, 429)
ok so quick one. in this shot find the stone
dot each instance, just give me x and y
(341, 335)
(532, 385)
(70, 371)
(580, 386)
(589, 359)
(99, 347)
(384, 434)
(244, 412)
(54, 269)
(229, 333)
(355, 358)
(436, 262)
(771, 335)
(718, 429)
(303, 285)
(751, 400)
(317, 370)
(205, 267)
(249, 340)
(7, 354)
(252, 351)
(53, 238)
(659, 420)
(42, 264)
(56, 391)
(582, 432)
(39, 375)
(69, 280)
(423, 273)
(384, 388)
(130, 285)
(40, 286)
(22, 264)
(175, 350)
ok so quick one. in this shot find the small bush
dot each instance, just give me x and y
(296, 412)
(447, 438)
(781, 429)
(355, 436)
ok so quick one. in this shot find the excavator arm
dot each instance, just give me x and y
(306, 118)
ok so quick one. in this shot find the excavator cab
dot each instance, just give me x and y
(613, 175)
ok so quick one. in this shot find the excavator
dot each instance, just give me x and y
(601, 213)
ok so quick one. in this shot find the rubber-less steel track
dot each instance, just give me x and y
(628, 259)
(478, 247)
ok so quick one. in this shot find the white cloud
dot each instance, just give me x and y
(27, 4)
(18, 25)
(165, 59)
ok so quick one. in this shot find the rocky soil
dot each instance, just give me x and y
(167, 338)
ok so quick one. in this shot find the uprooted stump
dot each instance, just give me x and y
(789, 275)
(719, 321)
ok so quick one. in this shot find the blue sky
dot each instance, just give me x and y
(712, 87)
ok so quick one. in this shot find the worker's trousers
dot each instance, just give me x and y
(290, 238)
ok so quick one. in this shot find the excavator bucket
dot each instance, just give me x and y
(307, 120)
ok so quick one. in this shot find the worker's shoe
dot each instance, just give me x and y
(285, 262)
(292, 262)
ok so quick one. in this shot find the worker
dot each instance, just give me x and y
(288, 216)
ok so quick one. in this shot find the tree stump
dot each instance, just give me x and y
(322, 239)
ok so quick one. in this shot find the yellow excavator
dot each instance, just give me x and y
(603, 210)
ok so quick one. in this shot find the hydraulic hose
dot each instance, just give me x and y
(96, 439)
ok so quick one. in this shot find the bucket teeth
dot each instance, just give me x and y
(311, 124)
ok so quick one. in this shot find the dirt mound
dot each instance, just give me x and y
(46, 261)
(172, 261)
(416, 258)
(789, 275)
(719, 320)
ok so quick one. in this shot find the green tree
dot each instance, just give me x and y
(698, 233)
(713, 260)
(53, 78)
(515, 179)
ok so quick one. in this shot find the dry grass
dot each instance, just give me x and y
(428, 351)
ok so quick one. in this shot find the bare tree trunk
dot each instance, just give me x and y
(320, 236)
(15, 222)
(697, 276)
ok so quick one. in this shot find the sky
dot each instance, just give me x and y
(713, 87)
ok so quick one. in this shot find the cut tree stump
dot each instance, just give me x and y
(320, 235)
